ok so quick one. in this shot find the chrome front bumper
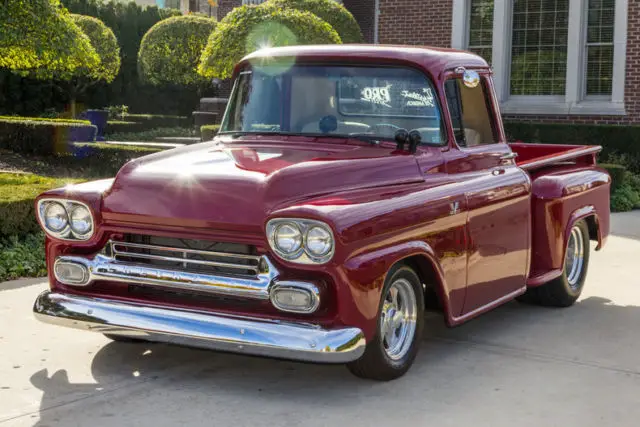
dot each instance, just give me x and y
(297, 341)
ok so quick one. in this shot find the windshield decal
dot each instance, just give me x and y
(377, 95)
(416, 99)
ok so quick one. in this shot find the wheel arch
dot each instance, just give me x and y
(431, 276)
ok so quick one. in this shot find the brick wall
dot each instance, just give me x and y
(364, 12)
(428, 22)
(226, 6)
(415, 22)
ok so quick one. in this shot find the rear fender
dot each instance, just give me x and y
(561, 198)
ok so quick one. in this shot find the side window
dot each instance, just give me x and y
(471, 115)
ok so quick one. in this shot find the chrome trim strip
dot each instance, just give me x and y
(102, 267)
(297, 341)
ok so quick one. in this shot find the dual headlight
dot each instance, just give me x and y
(66, 219)
(304, 241)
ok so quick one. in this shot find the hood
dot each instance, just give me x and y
(237, 184)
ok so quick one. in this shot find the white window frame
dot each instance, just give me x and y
(575, 100)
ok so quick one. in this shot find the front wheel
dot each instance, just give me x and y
(565, 290)
(391, 352)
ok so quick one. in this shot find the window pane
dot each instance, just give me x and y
(539, 47)
(481, 28)
(471, 117)
(600, 47)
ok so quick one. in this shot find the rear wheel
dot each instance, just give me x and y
(565, 290)
(400, 323)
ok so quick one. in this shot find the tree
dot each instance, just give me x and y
(106, 46)
(39, 39)
(249, 28)
(170, 51)
(330, 11)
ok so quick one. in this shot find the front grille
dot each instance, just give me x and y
(187, 255)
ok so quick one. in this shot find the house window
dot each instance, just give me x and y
(549, 56)
(481, 28)
(539, 47)
(600, 21)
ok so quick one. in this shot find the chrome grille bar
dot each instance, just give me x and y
(255, 258)
(132, 252)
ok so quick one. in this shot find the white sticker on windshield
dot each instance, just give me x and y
(417, 99)
(377, 95)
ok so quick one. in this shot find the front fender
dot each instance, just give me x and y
(366, 273)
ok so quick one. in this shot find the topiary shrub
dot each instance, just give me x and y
(43, 137)
(207, 132)
(40, 39)
(106, 46)
(330, 11)
(249, 28)
(170, 51)
(105, 43)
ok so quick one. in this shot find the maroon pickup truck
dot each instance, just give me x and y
(350, 188)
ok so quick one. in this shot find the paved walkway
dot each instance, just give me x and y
(516, 366)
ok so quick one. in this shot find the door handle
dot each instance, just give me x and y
(509, 156)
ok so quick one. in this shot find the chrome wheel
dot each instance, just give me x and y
(398, 319)
(574, 258)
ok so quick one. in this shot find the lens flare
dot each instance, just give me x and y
(266, 35)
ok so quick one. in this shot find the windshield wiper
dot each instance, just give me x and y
(365, 137)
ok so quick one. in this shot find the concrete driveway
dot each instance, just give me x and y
(517, 366)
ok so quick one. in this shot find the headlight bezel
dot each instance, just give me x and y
(68, 233)
(303, 255)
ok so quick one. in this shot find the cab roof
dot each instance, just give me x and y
(433, 59)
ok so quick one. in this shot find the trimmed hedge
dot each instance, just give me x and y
(151, 121)
(135, 123)
(615, 140)
(207, 132)
(248, 28)
(44, 119)
(330, 11)
(121, 126)
(42, 137)
(17, 195)
(101, 160)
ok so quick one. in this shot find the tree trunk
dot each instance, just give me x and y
(72, 105)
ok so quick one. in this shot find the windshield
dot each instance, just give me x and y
(334, 100)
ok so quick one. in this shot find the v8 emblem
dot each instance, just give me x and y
(455, 208)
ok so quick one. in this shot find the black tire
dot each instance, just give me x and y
(376, 364)
(120, 338)
(561, 292)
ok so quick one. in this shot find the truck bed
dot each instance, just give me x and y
(535, 156)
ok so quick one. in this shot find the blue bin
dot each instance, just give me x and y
(99, 119)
